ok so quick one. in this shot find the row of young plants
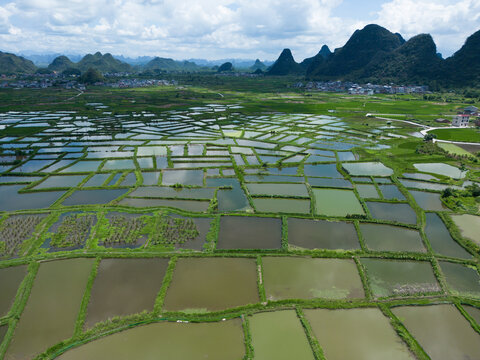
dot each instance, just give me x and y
(35, 243)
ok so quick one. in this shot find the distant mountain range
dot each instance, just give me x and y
(12, 64)
(372, 54)
(377, 55)
(103, 63)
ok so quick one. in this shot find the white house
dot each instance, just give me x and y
(461, 120)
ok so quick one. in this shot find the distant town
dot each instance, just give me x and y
(123, 80)
(43, 81)
(357, 89)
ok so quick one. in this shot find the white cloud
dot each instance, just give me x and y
(449, 22)
(215, 28)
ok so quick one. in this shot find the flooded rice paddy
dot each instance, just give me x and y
(398, 277)
(10, 278)
(331, 202)
(440, 239)
(168, 339)
(212, 232)
(369, 334)
(201, 285)
(322, 234)
(52, 308)
(305, 278)
(380, 237)
(117, 285)
(279, 335)
(441, 331)
(249, 233)
(397, 212)
(461, 280)
(469, 226)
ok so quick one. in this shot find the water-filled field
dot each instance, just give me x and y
(117, 280)
(52, 308)
(279, 335)
(212, 284)
(305, 278)
(441, 331)
(368, 331)
(168, 339)
(223, 230)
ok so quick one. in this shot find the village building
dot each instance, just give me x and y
(461, 120)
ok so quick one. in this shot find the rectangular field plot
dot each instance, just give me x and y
(184, 177)
(189, 205)
(307, 278)
(212, 284)
(441, 240)
(398, 277)
(123, 230)
(83, 166)
(92, 197)
(441, 169)
(179, 231)
(12, 200)
(15, 230)
(322, 234)
(52, 308)
(329, 183)
(441, 331)
(324, 170)
(361, 334)
(297, 190)
(428, 201)
(279, 335)
(468, 225)
(118, 165)
(169, 340)
(367, 191)
(71, 231)
(391, 192)
(402, 213)
(284, 206)
(123, 287)
(96, 180)
(461, 280)
(332, 202)
(381, 237)
(150, 178)
(61, 181)
(172, 193)
(367, 168)
(199, 230)
(247, 232)
(10, 278)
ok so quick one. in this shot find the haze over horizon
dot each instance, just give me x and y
(225, 28)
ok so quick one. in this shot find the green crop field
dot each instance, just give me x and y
(463, 135)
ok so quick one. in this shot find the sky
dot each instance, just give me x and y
(219, 29)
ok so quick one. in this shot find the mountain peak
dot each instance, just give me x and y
(325, 52)
(360, 49)
(11, 64)
(60, 63)
(258, 66)
(285, 65)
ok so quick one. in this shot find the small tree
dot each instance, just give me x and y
(447, 192)
(91, 76)
(429, 137)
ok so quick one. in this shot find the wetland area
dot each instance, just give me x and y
(171, 222)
